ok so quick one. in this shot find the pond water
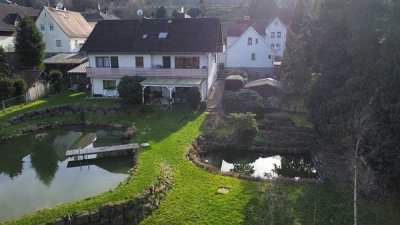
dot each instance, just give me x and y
(262, 165)
(34, 173)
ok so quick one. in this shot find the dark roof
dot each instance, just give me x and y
(98, 16)
(238, 27)
(10, 13)
(142, 36)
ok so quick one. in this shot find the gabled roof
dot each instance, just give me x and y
(72, 23)
(10, 13)
(143, 36)
(240, 26)
(98, 16)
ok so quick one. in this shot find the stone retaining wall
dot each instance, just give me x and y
(132, 211)
(65, 110)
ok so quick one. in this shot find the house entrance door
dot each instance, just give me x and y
(166, 62)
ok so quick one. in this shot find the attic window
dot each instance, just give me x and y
(144, 36)
(162, 35)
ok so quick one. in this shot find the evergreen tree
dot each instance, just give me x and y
(29, 45)
(4, 66)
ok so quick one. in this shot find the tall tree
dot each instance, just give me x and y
(29, 45)
(161, 13)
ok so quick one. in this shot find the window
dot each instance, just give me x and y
(272, 46)
(109, 84)
(269, 56)
(253, 56)
(256, 40)
(162, 35)
(114, 62)
(278, 46)
(102, 61)
(187, 62)
(58, 43)
(76, 43)
(51, 26)
(249, 41)
(272, 34)
(42, 27)
(139, 61)
(279, 34)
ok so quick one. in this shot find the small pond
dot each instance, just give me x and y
(35, 174)
(263, 165)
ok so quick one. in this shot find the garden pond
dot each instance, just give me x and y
(35, 174)
(263, 165)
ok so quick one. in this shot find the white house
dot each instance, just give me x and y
(10, 14)
(255, 45)
(62, 30)
(170, 55)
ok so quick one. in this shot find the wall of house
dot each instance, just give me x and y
(231, 40)
(239, 55)
(212, 70)
(50, 36)
(76, 44)
(7, 42)
(128, 60)
(276, 26)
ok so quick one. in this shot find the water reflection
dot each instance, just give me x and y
(259, 165)
(34, 172)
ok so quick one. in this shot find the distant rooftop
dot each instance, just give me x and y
(98, 16)
(11, 13)
(66, 58)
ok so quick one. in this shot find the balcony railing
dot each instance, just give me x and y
(98, 72)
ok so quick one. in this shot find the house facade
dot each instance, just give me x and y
(10, 15)
(170, 56)
(62, 30)
(255, 45)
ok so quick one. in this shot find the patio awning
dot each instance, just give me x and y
(177, 82)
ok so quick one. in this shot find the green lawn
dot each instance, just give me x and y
(194, 198)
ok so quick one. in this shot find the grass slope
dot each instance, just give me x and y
(194, 198)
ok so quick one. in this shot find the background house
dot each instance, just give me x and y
(95, 17)
(173, 55)
(255, 45)
(10, 14)
(62, 30)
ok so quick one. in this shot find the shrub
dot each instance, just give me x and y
(193, 97)
(245, 127)
(56, 80)
(234, 83)
(242, 73)
(243, 101)
(20, 86)
(245, 169)
(130, 90)
(146, 109)
(7, 89)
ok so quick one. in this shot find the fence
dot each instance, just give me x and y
(12, 101)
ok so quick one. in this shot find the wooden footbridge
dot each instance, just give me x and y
(104, 151)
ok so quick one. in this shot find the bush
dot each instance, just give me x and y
(193, 97)
(243, 101)
(130, 90)
(242, 73)
(234, 83)
(146, 109)
(245, 127)
(20, 87)
(7, 89)
(56, 80)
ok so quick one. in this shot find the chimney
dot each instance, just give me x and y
(182, 9)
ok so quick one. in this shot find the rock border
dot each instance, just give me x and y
(131, 211)
(194, 155)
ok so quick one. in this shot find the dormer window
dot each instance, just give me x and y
(249, 41)
(162, 35)
(272, 34)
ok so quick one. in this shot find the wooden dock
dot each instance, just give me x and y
(108, 150)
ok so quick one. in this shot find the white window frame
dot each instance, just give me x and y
(249, 41)
(103, 61)
(51, 27)
(278, 34)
